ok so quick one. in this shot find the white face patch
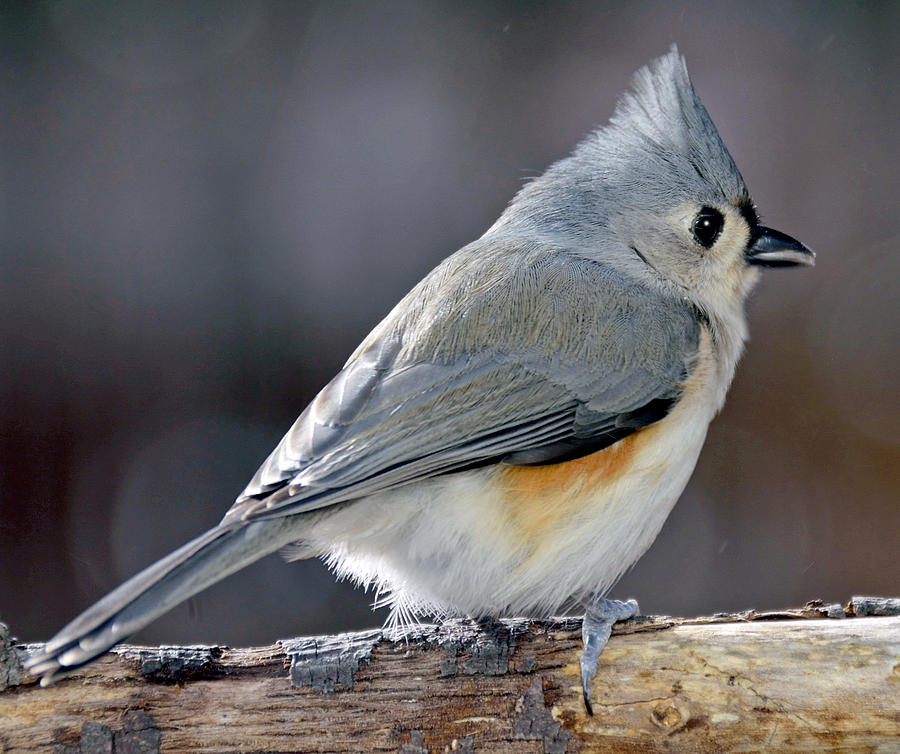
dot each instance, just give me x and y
(730, 278)
(733, 240)
(711, 266)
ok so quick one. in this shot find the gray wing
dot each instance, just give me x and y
(485, 361)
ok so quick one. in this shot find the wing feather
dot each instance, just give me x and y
(480, 363)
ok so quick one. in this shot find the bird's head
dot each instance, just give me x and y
(656, 194)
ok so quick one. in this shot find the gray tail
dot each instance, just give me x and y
(155, 590)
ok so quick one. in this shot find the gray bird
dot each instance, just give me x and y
(514, 433)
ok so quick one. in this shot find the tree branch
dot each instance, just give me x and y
(821, 677)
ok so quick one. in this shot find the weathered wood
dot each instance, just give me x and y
(796, 680)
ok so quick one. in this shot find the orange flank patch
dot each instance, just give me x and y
(537, 497)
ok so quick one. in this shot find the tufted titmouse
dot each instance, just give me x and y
(514, 433)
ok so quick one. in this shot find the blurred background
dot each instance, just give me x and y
(204, 207)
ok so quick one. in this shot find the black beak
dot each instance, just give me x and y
(771, 248)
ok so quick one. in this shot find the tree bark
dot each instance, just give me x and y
(818, 678)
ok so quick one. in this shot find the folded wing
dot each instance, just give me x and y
(527, 364)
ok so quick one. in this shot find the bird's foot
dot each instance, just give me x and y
(596, 628)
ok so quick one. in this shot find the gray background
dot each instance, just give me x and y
(205, 206)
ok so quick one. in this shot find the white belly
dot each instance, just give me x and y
(522, 540)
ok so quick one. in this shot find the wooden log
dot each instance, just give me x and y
(818, 678)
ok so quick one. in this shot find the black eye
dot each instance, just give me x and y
(707, 226)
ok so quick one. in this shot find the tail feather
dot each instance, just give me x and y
(200, 563)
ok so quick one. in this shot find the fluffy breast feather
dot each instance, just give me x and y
(539, 499)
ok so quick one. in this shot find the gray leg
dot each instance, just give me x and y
(596, 628)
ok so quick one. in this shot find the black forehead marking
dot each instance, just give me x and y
(748, 212)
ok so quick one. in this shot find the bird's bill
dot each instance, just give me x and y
(772, 248)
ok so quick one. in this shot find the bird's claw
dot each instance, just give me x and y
(596, 628)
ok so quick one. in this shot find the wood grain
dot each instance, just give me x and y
(795, 680)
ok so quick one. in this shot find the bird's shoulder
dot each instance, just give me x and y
(531, 297)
